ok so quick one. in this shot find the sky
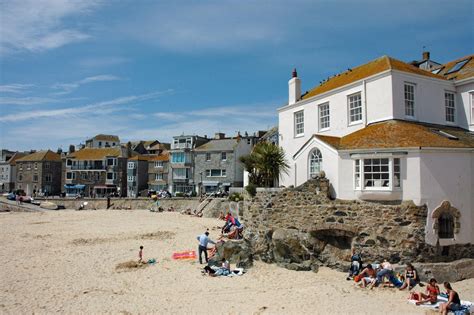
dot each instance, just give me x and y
(155, 69)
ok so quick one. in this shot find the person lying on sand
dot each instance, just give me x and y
(432, 291)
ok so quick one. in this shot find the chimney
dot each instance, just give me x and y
(72, 148)
(294, 88)
(219, 135)
(426, 55)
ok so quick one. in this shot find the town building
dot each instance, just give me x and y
(216, 163)
(8, 170)
(159, 174)
(39, 173)
(103, 141)
(137, 175)
(96, 172)
(182, 163)
(390, 131)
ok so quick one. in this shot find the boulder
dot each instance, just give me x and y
(452, 271)
(236, 252)
(48, 205)
(288, 246)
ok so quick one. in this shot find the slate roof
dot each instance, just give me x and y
(366, 70)
(467, 71)
(47, 155)
(402, 134)
(95, 153)
(228, 144)
(103, 137)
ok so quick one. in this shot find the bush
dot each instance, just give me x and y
(235, 197)
(179, 194)
(251, 189)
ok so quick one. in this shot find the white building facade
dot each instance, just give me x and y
(388, 130)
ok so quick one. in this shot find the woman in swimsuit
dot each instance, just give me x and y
(411, 277)
(432, 291)
(454, 302)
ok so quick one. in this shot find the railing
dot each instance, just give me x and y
(181, 146)
(86, 167)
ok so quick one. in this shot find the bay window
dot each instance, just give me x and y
(377, 173)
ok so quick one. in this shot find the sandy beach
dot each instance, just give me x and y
(65, 262)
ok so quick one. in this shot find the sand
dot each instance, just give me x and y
(65, 261)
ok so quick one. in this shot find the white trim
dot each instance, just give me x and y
(308, 144)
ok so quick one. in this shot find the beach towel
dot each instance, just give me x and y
(467, 306)
(190, 254)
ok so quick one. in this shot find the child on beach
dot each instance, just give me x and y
(140, 255)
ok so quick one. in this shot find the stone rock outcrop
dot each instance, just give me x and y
(451, 272)
(237, 252)
(301, 227)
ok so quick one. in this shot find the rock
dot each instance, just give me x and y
(340, 213)
(236, 252)
(453, 271)
(48, 205)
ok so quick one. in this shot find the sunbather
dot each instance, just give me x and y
(432, 291)
(411, 277)
(454, 302)
(224, 270)
(356, 264)
(367, 276)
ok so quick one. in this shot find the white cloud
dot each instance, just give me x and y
(99, 108)
(33, 100)
(39, 25)
(15, 88)
(70, 87)
(100, 62)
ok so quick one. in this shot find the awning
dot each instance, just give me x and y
(210, 183)
(78, 186)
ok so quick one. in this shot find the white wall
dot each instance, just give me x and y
(429, 97)
(449, 176)
(463, 105)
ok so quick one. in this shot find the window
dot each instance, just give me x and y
(249, 141)
(472, 108)
(70, 175)
(178, 157)
(35, 178)
(208, 156)
(315, 160)
(409, 100)
(100, 144)
(223, 156)
(35, 165)
(377, 173)
(111, 162)
(158, 164)
(450, 109)
(324, 116)
(159, 176)
(446, 226)
(111, 176)
(84, 175)
(457, 66)
(299, 123)
(28, 166)
(357, 174)
(396, 172)
(131, 165)
(20, 177)
(20, 166)
(355, 108)
(131, 178)
(47, 166)
(180, 173)
(48, 178)
(216, 173)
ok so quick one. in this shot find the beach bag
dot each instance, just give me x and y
(357, 278)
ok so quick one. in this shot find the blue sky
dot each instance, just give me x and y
(153, 69)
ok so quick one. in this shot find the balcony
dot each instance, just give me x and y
(181, 146)
(110, 181)
(82, 167)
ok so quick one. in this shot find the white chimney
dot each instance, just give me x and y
(294, 88)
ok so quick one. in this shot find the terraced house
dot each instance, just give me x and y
(8, 170)
(159, 172)
(39, 173)
(392, 131)
(96, 172)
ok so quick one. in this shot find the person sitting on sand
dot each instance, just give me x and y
(367, 276)
(224, 270)
(386, 271)
(356, 264)
(229, 221)
(454, 302)
(432, 291)
(411, 277)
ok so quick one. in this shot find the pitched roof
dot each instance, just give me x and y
(95, 153)
(47, 155)
(139, 157)
(227, 144)
(467, 71)
(366, 70)
(106, 137)
(162, 157)
(402, 134)
(16, 156)
(159, 146)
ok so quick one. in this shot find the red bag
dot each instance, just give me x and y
(357, 278)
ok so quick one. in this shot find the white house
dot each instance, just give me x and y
(388, 130)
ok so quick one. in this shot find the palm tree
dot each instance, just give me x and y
(265, 164)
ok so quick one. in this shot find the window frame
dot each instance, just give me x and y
(310, 157)
(208, 157)
(405, 100)
(359, 184)
(349, 109)
(48, 178)
(321, 125)
(297, 124)
(471, 100)
(223, 156)
(453, 108)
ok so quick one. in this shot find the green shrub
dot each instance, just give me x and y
(251, 189)
(235, 197)
(179, 194)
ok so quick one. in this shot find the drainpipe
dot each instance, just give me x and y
(365, 102)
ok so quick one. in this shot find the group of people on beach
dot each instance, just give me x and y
(373, 275)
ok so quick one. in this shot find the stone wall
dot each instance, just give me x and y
(302, 228)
